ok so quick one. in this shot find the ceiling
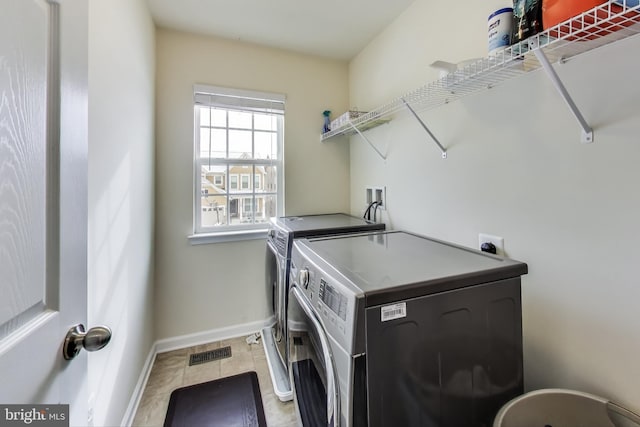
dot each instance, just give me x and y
(331, 28)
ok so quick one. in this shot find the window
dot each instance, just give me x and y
(238, 140)
(247, 211)
(244, 182)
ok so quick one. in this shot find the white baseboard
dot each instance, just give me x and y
(136, 396)
(175, 343)
(183, 341)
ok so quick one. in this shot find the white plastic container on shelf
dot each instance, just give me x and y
(500, 30)
(346, 118)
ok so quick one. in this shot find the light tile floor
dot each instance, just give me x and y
(171, 370)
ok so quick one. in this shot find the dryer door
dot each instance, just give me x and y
(311, 366)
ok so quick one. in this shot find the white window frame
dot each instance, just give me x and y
(242, 182)
(218, 180)
(244, 205)
(233, 187)
(242, 100)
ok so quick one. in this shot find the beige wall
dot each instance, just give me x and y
(426, 32)
(206, 287)
(516, 169)
(121, 214)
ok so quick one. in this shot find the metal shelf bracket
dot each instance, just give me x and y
(442, 149)
(382, 156)
(587, 131)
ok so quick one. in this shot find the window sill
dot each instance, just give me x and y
(227, 236)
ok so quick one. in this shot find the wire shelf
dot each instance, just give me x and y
(602, 25)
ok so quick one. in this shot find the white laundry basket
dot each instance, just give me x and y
(563, 408)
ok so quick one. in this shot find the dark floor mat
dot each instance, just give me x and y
(228, 402)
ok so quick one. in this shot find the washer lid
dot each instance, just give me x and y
(310, 225)
(407, 265)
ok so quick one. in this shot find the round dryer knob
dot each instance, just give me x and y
(303, 277)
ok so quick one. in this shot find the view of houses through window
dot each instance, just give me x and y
(228, 205)
(237, 150)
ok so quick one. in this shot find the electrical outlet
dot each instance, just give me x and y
(498, 242)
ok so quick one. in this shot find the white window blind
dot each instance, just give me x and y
(261, 102)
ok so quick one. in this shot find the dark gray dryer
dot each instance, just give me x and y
(280, 237)
(397, 329)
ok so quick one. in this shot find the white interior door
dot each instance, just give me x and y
(43, 202)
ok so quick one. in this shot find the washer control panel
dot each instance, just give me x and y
(333, 299)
